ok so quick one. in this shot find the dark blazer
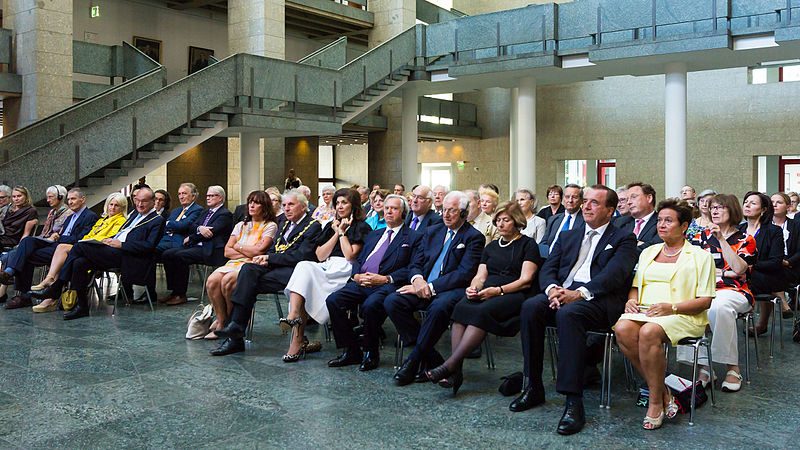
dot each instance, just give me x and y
(611, 268)
(793, 248)
(430, 218)
(180, 229)
(214, 248)
(554, 223)
(460, 263)
(303, 249)
(648, 235)
(546, 213)
(137, 264)
(768, 271)
(397, 257)
(239, 213)
(81, 228)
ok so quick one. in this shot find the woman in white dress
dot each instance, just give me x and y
(528, 203)
(312, 282)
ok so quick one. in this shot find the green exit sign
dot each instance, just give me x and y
(95, 11)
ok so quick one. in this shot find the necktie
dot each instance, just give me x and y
(568, 220)
(582, 254)
(210, 213)
(288, 232)
(180, 216)
(437, 266)
(638, 227)
(414, 223)
(373, 262)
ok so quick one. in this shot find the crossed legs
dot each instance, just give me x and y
(641, 342)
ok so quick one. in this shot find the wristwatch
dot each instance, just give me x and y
(674, 309)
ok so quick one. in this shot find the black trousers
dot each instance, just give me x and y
(572, 321)
(176, 267)
(372, 310)
(30, 253)
(254, 279)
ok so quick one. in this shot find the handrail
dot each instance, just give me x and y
(326, 49)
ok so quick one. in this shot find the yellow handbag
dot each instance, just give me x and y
(68, 299)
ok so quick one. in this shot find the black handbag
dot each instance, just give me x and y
(512, 384)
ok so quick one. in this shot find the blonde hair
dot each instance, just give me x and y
(122, 201)
(512, 210)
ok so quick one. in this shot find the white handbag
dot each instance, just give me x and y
(199, 322)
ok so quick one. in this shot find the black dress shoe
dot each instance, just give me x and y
(529, 398)
(233, 330)
(19, 301)
(52, 291)
(77, 312)
(573, 419)
(408, 373)
(230, 346)
(350, 357)
(371, 361)
(3, 298)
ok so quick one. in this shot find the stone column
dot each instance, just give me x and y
(410, 175)
(513, 141)
(43, 58)
(250, 160)
(675, 129)
(525, 139)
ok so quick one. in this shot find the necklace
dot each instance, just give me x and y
(280, 248)
(668, 255)
(500, 241)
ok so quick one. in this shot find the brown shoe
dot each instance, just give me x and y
(176, 300)
(166, 299)
(19, 301)
(6, 278)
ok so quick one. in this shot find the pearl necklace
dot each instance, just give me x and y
(500, 241)
(664, 252)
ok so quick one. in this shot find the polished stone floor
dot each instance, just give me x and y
(133, 381)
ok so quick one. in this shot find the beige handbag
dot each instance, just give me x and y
(199, 322)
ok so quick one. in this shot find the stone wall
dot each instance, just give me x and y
(302, 155)
(350, 165)
(205, 165)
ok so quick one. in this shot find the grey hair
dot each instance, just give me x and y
(472, 193)
(328, 188)
(304, 189)
(191, 186)
(57, 190)
(402, 200)
(80, 192)
(622, 188)
(301, 198)
(5, 189)
(430, 191)
(219, 190)
(463, 200)
(531, 196)
(706, 192)
(439, 186)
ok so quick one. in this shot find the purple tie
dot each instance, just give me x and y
(210, 213)
(373, 262)
(414, 223)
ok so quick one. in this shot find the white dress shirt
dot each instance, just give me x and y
(123, 234)
(584, 275)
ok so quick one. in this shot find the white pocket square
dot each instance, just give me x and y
(608, 247)
(460, 245)
(404, 245)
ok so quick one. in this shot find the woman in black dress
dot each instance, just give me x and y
(495, 296)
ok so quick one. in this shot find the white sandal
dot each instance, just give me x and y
(732, 387)
(708, 374)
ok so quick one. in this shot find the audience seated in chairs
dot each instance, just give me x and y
(296, 241)
(250, 238)
(180, 219)
(570, 219)
(441, 268)
(337, 246)
(584, 281)
(114, 215)
(36, 251)
(495, 295)
(204, 244)
(131, 251)
(381, 267)
(791, 258)
(768, 275)
(163, 202)
(56, 197)
(483, 223)
(326, 212)
(672, 290)
(5, 203)
(642, 220)
(376, 221)
(704, 218)
(555, 197)
(734, 253)
(535, 226)
(275, 199)
(422, 216)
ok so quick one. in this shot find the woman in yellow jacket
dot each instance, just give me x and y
(672, 289)
(114, 215)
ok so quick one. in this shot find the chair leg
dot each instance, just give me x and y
(553, 352)
(398, 353)
(149, 300)
(278, 306)
(778, 312)
(772, 329)
(327, 327)
(203, 288)
(755, 342)
(696, 346)
(249, 331)
(489, 353)
(707, 343)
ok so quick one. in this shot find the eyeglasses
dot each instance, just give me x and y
(451, 211)
(718, 207)
(212, 195)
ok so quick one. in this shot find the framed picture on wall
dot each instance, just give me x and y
(150, 47)
(198, 58)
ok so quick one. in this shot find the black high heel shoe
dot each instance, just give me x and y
(446, 378)
(439, 373)
(289, 358)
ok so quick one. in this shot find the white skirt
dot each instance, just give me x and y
(316, 281)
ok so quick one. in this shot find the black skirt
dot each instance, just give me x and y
(497, 315)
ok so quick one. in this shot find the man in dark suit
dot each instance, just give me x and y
(204, 244)
(131, 250)
(422, 216)
(35, 251)
(585, 281)
(381, 267)
(570, 219)
(642, 219)
(271, 272)
(441, 269)
(180, 219)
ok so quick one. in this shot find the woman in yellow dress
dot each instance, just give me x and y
(249, 238)
(672, 289)
(114, 215)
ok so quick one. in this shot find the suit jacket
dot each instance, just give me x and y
(430, 218)
(239, 213)
(611, 267)
(214, 248)
(81, 228)
(460, 263)
(180, 229)
(397, 257)
(647, 235)
(302, 249)
(137, 264)
(770, 245)
(554, 224)
(793, 247)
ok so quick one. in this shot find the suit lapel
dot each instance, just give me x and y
(401, 233)
(648, 227)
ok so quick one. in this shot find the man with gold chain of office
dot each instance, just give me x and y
(270, 273)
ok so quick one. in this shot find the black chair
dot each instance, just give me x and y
(696, 343)
(748, 321)
(776, 313)
(609, 339)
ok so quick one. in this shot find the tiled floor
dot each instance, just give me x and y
(134, 381)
